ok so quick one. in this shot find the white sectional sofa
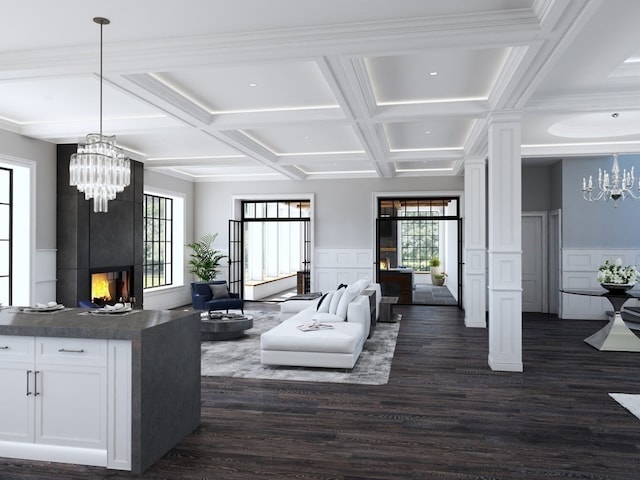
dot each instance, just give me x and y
(345, 309)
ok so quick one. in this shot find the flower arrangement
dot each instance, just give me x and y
(616, 273)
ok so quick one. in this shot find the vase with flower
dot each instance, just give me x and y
(616, 277)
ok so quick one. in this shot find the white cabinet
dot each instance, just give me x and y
(17, 398)
(55, 393)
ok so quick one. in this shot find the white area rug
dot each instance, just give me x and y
(628, 401)
(241, 357)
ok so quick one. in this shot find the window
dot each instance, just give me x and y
(419, 241)
(6, 215)
(158, 218)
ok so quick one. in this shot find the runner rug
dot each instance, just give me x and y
(241, 357)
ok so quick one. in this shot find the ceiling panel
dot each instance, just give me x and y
(442, 133)
(437, 75)
(68, 99)
(336, 167)
(307, 138)
(256, 87)
(436, 167)
(177, 143)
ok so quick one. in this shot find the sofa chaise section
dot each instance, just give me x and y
(338, 347)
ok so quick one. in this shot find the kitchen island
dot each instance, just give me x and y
(113, 390)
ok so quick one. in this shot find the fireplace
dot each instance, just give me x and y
(111, 285)
(90, 242)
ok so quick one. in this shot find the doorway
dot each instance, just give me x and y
(270, 248)
(418, 250)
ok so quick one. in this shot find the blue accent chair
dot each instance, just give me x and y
(202, 296)
(87, 304)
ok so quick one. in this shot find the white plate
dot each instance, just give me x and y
(102, 311)
(53, 308)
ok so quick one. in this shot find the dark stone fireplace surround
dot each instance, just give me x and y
(88, 241)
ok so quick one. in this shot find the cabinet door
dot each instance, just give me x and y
(16, 402)
(71, 406)
(16, 388)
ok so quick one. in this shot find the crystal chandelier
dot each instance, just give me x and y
(610, 186)
(99, 169)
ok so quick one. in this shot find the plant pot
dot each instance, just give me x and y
(618, 287)
(438, 281)
(435, 271)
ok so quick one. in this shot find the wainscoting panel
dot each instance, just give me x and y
(579, 270)
(336, 266)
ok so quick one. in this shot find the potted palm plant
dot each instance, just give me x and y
(205, 260)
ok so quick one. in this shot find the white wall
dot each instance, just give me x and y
(343, 212)
(343, 208)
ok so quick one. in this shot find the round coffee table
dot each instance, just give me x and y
(219, 326)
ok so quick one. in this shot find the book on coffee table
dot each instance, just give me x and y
(306, 296)
(311, 327)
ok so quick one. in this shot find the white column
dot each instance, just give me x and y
(505, 238)
(475, 246)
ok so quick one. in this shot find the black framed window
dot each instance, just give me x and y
(158, 241)
(6, 229)
(419, 240)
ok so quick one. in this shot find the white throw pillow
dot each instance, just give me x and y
(347, 297)
(335, 300)
(361, 284)
(325, 317)
(325, 302)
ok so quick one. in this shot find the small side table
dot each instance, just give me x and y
(372, 309)
(386, 314)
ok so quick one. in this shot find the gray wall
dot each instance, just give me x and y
(556, 185)
(597, 224)
(344, 209)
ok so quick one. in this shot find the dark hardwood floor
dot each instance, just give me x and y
(443, 415)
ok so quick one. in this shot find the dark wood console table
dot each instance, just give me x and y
(615, 336)
(397, 283)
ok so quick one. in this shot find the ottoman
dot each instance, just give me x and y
(224, 327)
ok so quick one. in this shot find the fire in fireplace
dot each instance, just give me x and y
(110, 285)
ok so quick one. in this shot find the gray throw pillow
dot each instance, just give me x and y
(219, 290)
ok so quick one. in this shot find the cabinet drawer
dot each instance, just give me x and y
(71, 351)
(16, 348)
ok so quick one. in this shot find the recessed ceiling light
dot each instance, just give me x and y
(253, 84)
(427, 132)
(433, 74)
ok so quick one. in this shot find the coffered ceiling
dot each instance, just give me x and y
(295, 89)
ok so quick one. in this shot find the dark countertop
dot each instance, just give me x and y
(79, 323)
